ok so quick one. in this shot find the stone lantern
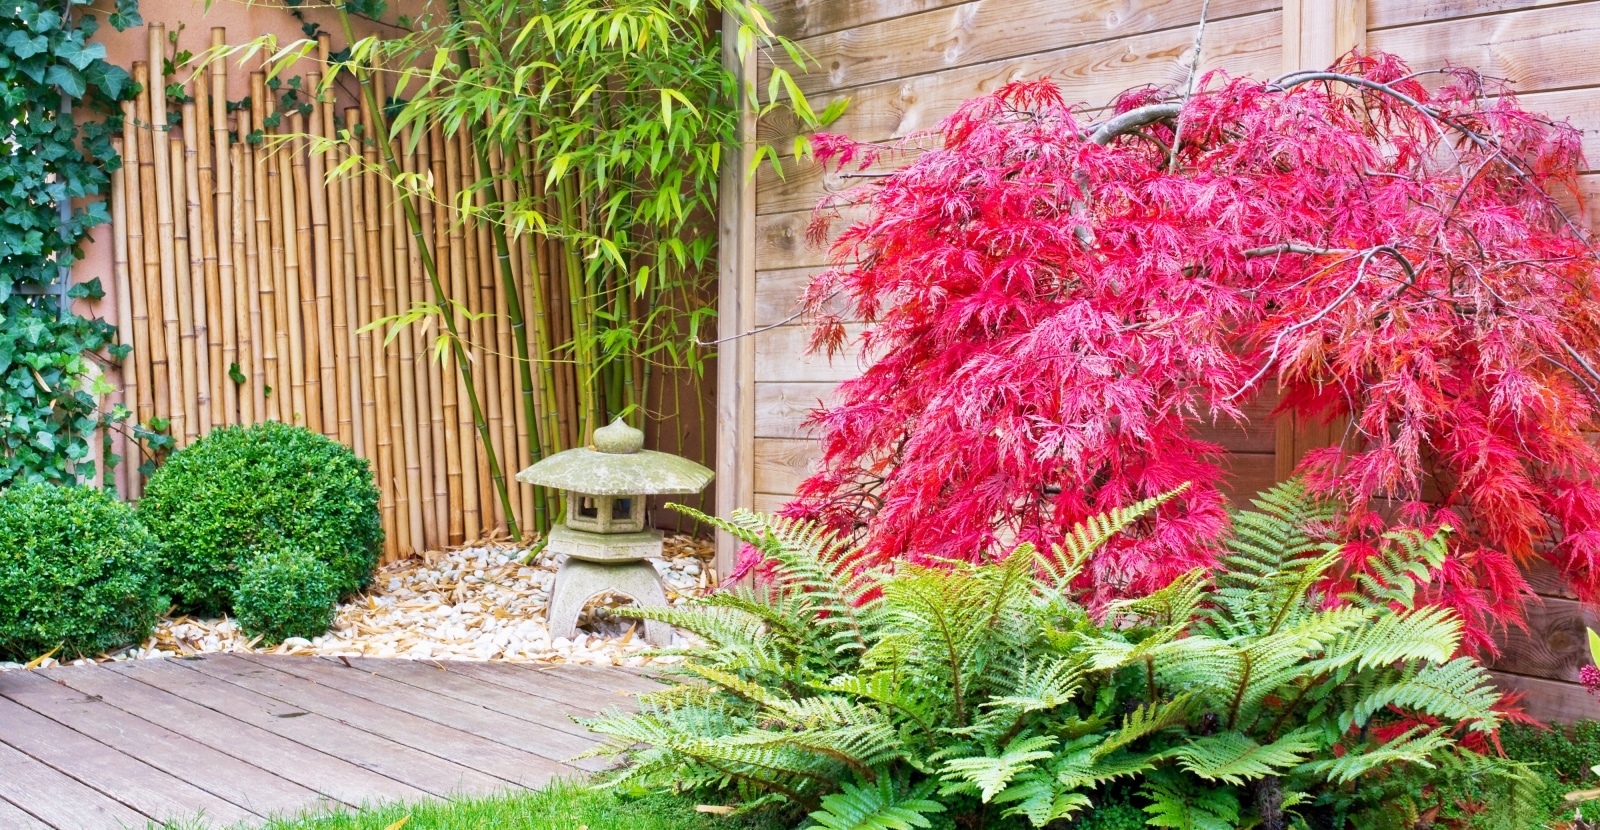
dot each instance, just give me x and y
(604, 537)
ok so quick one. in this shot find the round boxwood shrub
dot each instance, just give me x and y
(76, 571)
(284, 592)
(240, 490)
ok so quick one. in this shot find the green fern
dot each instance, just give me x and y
(870, 696)
(880, 807)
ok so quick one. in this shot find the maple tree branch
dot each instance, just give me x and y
(1132, 120)
(1188, 92)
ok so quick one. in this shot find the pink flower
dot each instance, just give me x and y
(1590, 677)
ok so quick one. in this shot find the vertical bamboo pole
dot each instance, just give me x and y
(309, 329)
(504, 394)
(183, 303)
(258, 251)
(247, 309)
(141, 399)
(347, 371)
(235, 339)
(390, 481)
(492, 379)
(445, 234)
(275, 279)
(215, 365)
(416, 165)
(193, 222)
(481, 253)
(359, 301)
(420, 501)
(167, 267)
(161, 364)
(121, 268)
(464, 482)
(291, 315)
(519, 418)
(329, 327)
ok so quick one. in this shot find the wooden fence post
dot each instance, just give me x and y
(736, 229)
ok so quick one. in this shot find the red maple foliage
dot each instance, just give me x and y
(1058, 302)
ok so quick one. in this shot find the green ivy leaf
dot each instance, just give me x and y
(79, 54)
(90, 290)
(68, 79)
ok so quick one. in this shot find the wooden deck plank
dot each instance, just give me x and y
(609, 678)
(442, 677)
(247, 786)
(331, 735)
(473, 752)
(13, 818)
(57, 800)
(584, 697)
(145, 789)
(333, 777)
(446, 710)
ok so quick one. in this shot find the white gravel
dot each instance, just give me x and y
(476, 602)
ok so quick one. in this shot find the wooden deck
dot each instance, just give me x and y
(237, 738)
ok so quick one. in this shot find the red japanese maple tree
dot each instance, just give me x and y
(1059, 299)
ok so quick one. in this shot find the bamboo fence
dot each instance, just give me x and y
(249, 276)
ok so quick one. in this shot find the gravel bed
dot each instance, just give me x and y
(475, 602)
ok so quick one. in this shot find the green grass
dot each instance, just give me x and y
(563, 805)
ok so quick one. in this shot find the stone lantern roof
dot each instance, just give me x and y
(618, 465)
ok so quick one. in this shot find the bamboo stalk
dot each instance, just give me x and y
(247, 309)
(372, 346)
(503, 397)
(420, 499)
(275, 279)
(291, 312)
(184, 298)
(445, 376)
(303, 296)
(359, 289)
(492, 378)
(326, 353)
(161, 364)
(519, 421)
(120, 270)
(429, 432)
(235, 339)
(198, 145)
(463, 483)
(202, 297)
(263, 311)
(167, 266)
(345, 302)
(480, 255)
(142, 400)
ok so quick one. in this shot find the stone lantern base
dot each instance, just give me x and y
(604, 547)
(600, 563)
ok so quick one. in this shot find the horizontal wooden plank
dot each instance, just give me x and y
(145, 789)
(770, 503)
(585, 695)
(1546, 580)
(244, 784)
(14, 818)
(977, 32)
(57, 799)
(1581, 107)
(1094, 73)
(782, 463)
(1535, 49)
(781, 356)
(327, 773)
(783, 243)
(1383, 14)
(799, 19)
(332, 735)
(1551, 701)
(778, 295)
(782, 408)
(1556, 644)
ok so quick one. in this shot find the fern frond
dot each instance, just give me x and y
(879, 807)
(1458, 690)
(1065, 560)
(1234, 758)
(1144, 721)
(987, 775)
(1401, 567)
(1417, 746)
(1178, 804)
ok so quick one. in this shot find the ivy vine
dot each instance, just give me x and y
(58, 96)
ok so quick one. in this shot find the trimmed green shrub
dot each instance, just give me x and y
(240, 490)
(285, 592)
(76, 571)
